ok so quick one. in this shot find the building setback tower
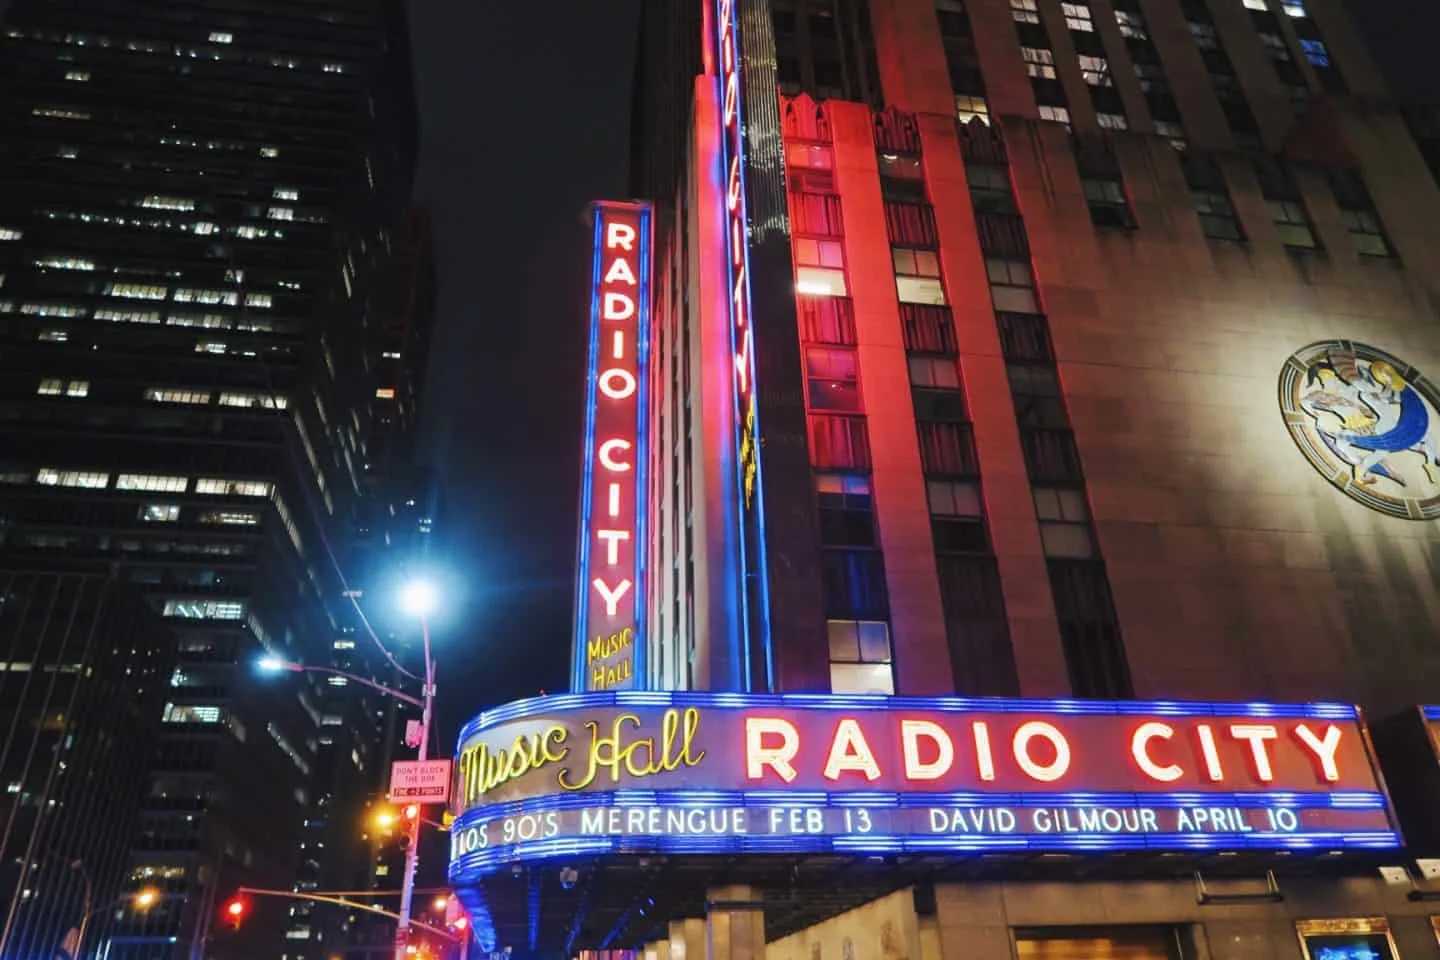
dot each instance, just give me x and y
(1061, 371)
(1026, 280)
(196, 272)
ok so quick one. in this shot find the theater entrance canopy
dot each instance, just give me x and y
(590, 819)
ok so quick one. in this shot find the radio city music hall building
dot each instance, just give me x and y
(1008, 506)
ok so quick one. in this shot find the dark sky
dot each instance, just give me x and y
(524, 113)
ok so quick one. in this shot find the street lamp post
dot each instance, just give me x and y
(418, 598)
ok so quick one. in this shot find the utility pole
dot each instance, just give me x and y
(412, 852)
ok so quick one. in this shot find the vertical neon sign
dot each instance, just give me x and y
(610, 594)
(755, 609)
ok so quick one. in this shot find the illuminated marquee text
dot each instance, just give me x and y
(606, 633)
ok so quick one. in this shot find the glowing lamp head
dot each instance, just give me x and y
(418, 598)
(439, 903)
(412, 812)
(385, 818)
(146, 898)
(273, 664)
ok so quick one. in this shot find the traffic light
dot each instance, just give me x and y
(412, 812)
(235, 911)
(461, 924)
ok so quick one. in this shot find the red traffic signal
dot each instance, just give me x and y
(235, 911)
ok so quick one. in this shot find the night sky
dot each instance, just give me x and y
(524, 116)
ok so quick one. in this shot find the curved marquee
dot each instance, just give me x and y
(645, 772)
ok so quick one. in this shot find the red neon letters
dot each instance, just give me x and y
(732, 147)
(609, 609)
(913, 752)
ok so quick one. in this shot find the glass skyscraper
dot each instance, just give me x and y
(198, 280)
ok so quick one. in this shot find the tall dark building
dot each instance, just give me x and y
(84, 669)
(1012, 436)
(197, 262)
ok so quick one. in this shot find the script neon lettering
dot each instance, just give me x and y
(758, 756)
(1044, 772)
(1140, 750)
(640, 757)
(482, 770)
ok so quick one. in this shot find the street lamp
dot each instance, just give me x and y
(418, 598)
(274, 664)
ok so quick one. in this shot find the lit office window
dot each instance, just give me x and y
(51, 477)
(52, 310)
(192, 295)
(151, 482)
(221, 36)
(1077, 17)
(820, 282)
(234, 488)
(157, 202)
(127, 316)
(1039, 62)
(137, 291)
(263, 300)
(385, 393)
(1024, 11)
(286, 193)
(176, 395)
(232, 518)
(281, 213)
(160, 512)
(267, 401)
(917, 276)
(969, 108)
(53, 336)
(60, 113)
(192, 713)
(860, 658)
(192, 609)
(78, 76)
(7, 233)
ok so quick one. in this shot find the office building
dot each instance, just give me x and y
(1050, 353)
(86, 669)
(197, 247)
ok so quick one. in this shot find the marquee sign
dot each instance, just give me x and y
(609, 604)
(720, 772)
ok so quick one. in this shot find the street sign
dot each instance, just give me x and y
(422, 781)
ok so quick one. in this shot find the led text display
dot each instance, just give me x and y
(610, 581)
(723, 772)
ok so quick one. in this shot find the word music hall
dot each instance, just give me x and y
(1007, 502)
